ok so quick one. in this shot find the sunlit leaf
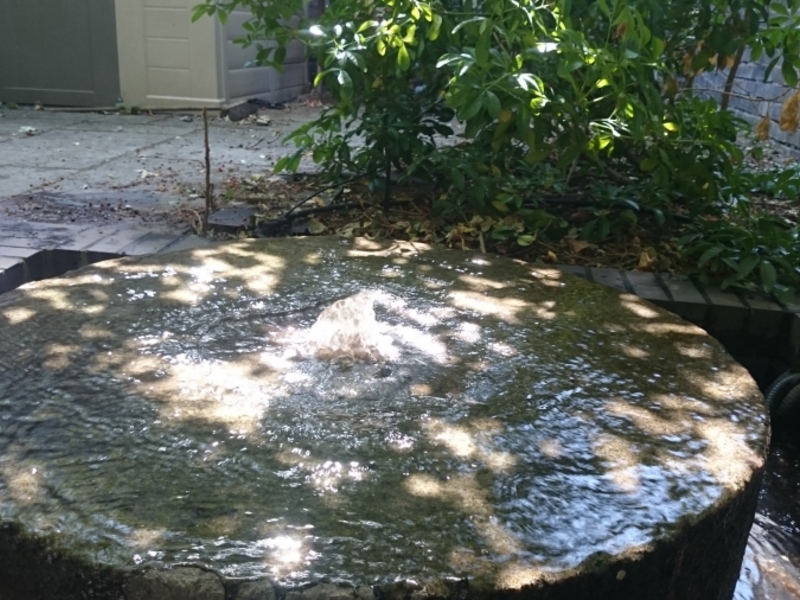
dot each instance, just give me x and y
(346, 83)
(433, 31)
(403, 59)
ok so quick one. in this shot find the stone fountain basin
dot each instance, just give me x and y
(164, 433)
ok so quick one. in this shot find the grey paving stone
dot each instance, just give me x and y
(761, 302)
(84, 239)
(6, 262)
(13, 252)
(768, 320)
(190, 241)
(57, 262)
(232, 218)
(150, 243)
(609, 277)
(114, 243)
(20, 234)
(686, 299)
(74, 149)
(719, 298)
(574, 270)
(683, 289)
(237, 147)
(645, 285)
(11, 274)
(18, 180)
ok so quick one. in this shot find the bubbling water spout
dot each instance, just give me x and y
(348, 329)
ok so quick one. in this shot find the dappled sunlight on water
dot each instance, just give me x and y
(315, 409)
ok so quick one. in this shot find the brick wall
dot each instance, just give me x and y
(753, 98)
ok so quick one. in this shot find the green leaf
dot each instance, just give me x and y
(789, 73)
(648, 164)
(492, 103)
(768, 276)
(280, 55)
(526, 240)
(410, 35)
(466, 22)
(289, 163)
(658, 46)
(709, 254)
(346, 83)
(483, 45)
(785, 295)
(458, 178)
(471, 109)
(201, 10)
(433, 32)
(779, 8)
(747, 265)
(403, 59)
(320, 76)
(500, 206)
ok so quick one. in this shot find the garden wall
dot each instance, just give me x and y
(752, 98)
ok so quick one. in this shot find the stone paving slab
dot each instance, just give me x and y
(150, 243)
(76, 149)
(124, 238)
(19, 180)
(12, 273)
(17, 252)
(610, 278)
(190, 241)
(646, 285)
(21, 234)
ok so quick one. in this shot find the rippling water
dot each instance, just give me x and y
(771, 569)
(172, 415)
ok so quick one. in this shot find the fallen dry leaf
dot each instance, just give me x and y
(789, 113)
(762, 129)
(349, 230)
(647, 257)
(316, 227)
(577, 246)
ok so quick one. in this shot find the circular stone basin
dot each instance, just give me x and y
(501, 431)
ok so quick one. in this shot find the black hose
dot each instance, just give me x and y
(789, 404)
(779, 388)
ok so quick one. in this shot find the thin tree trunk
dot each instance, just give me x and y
(726, 92)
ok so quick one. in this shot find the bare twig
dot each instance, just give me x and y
(209, 189)
(571, 169)
(323, 189)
